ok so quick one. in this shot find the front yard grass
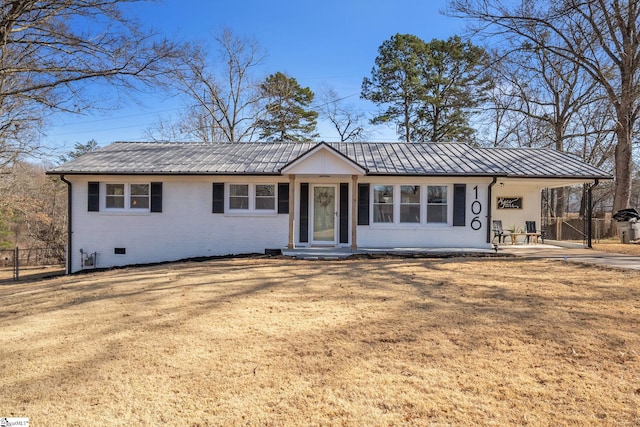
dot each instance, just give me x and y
(614, 245)
(273, 341)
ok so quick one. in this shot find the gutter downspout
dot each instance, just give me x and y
(489, 198)
(69, 222)
(590, 213)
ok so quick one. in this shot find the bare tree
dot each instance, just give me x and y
(600, 36)
(224, 103)
(50, 49)
(34, 206)
(497, 124)
(556, 93)
(189, 125)
(344, 119)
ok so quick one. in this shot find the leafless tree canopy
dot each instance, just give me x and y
(542, 100)
(33, 208)
(345, 120)
(222, 91)
(602, 37)
(49, 49)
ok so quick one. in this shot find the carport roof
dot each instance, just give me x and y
(270, 158)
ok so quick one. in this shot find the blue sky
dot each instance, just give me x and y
(332, 42)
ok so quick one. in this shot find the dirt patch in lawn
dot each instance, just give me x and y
(269, 341)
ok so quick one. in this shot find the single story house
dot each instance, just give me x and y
(142, 202)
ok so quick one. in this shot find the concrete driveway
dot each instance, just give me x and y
(573, 253)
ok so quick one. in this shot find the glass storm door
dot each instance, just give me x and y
(324, 214)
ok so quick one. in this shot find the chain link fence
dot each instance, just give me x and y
(20, 263)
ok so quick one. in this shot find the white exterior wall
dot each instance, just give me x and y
(529, 191)
(185, 228)
(426, 235)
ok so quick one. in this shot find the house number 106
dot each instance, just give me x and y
(476, 208)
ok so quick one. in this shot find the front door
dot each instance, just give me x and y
(324, 214)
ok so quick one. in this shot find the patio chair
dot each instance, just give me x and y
(499, 232)
(532, 231)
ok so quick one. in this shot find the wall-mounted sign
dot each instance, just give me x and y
(509, 202)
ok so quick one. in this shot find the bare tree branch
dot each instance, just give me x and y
(50, 49)
(346, 122)
(225, 102)
(600, 36)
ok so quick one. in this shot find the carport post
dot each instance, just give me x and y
(489, 197)
(590, 214)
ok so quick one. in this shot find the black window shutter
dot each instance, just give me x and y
(459, 204)
(304, 213)
(93, 199)
(363, 204)
(344, 212)
(283, 198)
(156, 197)
(218, 197)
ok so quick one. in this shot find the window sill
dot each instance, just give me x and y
(125, 212)
(406, 225)
(257, 214)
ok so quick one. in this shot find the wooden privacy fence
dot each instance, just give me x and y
(576, 229)
(17, 259)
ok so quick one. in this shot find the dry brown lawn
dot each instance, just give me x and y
(611, 245)
(30, 273)
(274, 341)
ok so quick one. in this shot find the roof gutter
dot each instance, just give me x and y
(489, 217)
(69, 222)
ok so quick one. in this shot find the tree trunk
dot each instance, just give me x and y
(559, 124)
(559, 202)
(407, 122)
(623, 159)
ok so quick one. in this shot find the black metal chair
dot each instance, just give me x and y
(532, 231)
(499, 232)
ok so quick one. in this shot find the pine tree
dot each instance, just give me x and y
(288, 117)
(429, 89)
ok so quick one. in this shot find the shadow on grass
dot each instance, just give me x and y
(30, 274)
(390, 314)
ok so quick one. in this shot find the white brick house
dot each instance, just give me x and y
(134, 203)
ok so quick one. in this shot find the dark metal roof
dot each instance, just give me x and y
(267, 158)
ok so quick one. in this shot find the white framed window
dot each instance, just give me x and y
(383, 203)
(120, 196)
(239, 196)
(114, 196)
(139, 196)
(437, 204)
(410, 203)
(247, 198)
(265, 197)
